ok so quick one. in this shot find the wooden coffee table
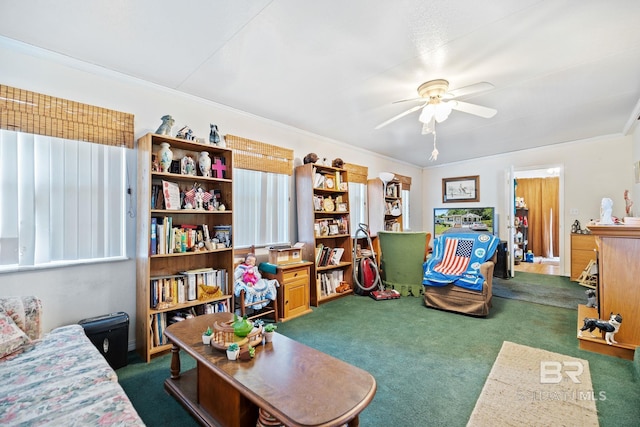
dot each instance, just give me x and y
(287, 380)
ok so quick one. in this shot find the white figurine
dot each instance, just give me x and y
(606, 207)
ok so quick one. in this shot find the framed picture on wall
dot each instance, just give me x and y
(461, 189)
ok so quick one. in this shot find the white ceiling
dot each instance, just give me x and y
(562, 70)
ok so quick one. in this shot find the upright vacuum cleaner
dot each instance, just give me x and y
(366, 275)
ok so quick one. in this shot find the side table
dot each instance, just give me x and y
(293, 294)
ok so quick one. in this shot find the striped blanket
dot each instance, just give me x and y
(457, 258)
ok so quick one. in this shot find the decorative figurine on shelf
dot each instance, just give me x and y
(186, 133)
(628, 203)
(576, 228)
(591, 298)
(214, 135)
(310, 158)
(188, 166)
(165, 127)
(606, 207)
(609, 327)
(337, 163)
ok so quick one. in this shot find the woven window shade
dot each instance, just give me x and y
(405, 181)
(356, 173)
(30, 112)
(258, 156)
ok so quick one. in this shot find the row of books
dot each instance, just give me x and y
(329, 281)
(160, 321)
(167, 291)
(167, 238)
(328, 256)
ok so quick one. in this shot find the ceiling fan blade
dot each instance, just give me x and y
(409, 99)
(468, 90)
(476, 110)
(393, 119)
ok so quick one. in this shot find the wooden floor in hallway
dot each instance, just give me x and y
(539, 266)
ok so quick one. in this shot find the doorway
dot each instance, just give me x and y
(538, 220)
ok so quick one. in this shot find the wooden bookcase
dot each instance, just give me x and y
(385, 210)
(151, 267)
(323, 221)
(617, 289)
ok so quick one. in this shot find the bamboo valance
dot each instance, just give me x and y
(356, 173)
(259, 156)
(405, 181)
(31, 112)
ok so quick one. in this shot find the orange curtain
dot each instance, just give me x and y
(541, 198)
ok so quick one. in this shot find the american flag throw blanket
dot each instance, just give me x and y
(457, 258)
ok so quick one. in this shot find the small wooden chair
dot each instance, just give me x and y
(244, 307)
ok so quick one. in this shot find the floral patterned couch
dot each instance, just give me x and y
(56, 379)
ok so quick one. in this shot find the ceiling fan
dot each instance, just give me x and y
(438, 101)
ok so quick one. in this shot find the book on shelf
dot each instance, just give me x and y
(329, 281)
(153, 244)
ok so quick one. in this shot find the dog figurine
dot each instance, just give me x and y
(591, 298)
(610, 327)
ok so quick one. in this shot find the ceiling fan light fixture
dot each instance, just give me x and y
(442, 111)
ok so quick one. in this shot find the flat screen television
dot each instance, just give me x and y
(463, 218)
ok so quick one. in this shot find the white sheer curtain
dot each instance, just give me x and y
(260, 208)
(357, 206)
(61, 201)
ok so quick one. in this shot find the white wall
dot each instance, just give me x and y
(71, 294)
(592, 169)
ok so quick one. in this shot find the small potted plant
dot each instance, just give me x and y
(206, 336)
(269, 330)
(232, 351)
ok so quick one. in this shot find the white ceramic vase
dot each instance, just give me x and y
(166, 156)
(204, 162)
(206, 339)
(232, 354)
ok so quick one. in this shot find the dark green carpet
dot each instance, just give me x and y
(429, 365)
(557, 291)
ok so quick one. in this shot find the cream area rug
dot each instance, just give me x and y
(533, 387)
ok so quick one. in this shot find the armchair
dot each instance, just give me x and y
(458, 277)
(402, 256)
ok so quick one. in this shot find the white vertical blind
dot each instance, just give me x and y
(357, 206)
(61, 201)
(261, 208)
(406, 223)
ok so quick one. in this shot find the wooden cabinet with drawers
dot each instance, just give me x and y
(293, 293)
(583, 250)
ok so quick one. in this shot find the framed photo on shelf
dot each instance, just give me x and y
(333, 229)
(461, 189)
(342, 207)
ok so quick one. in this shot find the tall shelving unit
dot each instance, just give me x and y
(151, 267)
(385, 207)
(521, 236)
(323, 222)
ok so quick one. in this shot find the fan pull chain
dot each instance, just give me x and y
(434, 153)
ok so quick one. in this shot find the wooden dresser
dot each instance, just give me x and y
(618, 287)
(293, 294)
(583, 250)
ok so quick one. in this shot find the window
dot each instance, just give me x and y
(261, 208)
(357, 205)
(63, 201)
(406, 223)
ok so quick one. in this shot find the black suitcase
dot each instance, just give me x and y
(110, 334)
